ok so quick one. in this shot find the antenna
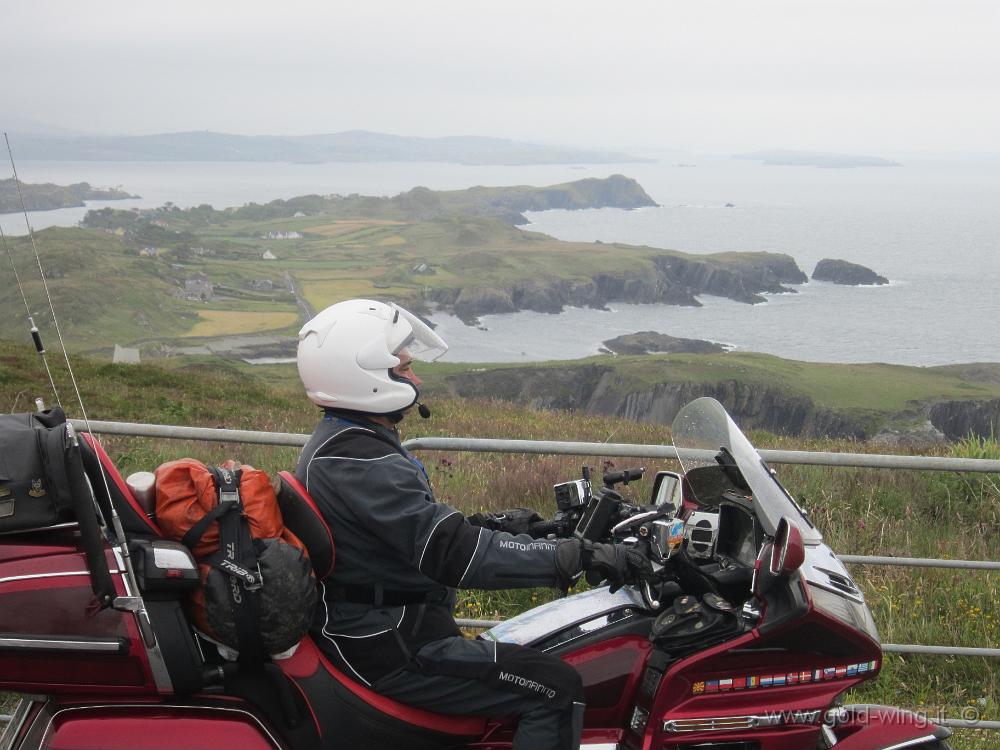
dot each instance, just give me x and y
(35, 336)
(133, 601)
(45, 286)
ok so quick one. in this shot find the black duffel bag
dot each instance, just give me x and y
(42, 483)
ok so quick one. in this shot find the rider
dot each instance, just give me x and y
(386, 615)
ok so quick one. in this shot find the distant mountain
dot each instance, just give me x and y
(815, 159)
(350, 146)
(16, 125)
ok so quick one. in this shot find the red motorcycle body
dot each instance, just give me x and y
(128, 678)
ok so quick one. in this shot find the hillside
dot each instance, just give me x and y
(183, 280)
(350, 146)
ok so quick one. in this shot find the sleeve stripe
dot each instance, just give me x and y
(430, 536)
(479, 540)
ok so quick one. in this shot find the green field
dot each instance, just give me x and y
(858, 511)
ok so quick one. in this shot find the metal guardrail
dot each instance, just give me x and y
(558, 447)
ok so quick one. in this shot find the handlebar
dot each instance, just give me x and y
(623, 477)
(541, 529)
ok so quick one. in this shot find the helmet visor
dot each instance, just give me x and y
(420, 341)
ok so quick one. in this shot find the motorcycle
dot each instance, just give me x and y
(741, 635)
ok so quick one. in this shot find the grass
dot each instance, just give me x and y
(230, 322)
(859, 511)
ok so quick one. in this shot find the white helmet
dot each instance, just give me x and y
(347, 352)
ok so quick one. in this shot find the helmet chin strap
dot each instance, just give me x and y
(397, 416)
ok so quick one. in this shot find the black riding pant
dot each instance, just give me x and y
(485, 678)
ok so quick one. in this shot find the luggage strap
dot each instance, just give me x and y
(236, 558)
(378, 596)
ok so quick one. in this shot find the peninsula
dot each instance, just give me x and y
(45, 197)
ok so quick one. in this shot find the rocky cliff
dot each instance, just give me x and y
(676, 280)
(599, 389)
(960, 419)
(761, 401)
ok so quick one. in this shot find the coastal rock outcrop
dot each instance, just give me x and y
(843, 272)
(960, 419)
(743, 280)
(475, 301)
(677, 280)
(652, 342)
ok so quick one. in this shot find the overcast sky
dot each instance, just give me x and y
(872, 76)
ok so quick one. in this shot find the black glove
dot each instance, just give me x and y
(618, 564)
(513, 521)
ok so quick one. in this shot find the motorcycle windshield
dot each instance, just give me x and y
(721, 464)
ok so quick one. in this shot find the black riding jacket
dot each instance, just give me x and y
(399, 553)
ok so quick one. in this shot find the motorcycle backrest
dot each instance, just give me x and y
(304, 519)
(104, 477)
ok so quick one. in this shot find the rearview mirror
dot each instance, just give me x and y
(667, 489)
(788, 552)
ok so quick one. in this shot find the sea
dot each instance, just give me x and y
(931, 226)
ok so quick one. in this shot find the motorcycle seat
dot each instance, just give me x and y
(308, 667)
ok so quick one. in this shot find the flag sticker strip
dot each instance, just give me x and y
(750, 682)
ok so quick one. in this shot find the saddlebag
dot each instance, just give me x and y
(258, 591)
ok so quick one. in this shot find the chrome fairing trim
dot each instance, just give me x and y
(57, 644)
(33, 576)
(67, 525)
(720, 723)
